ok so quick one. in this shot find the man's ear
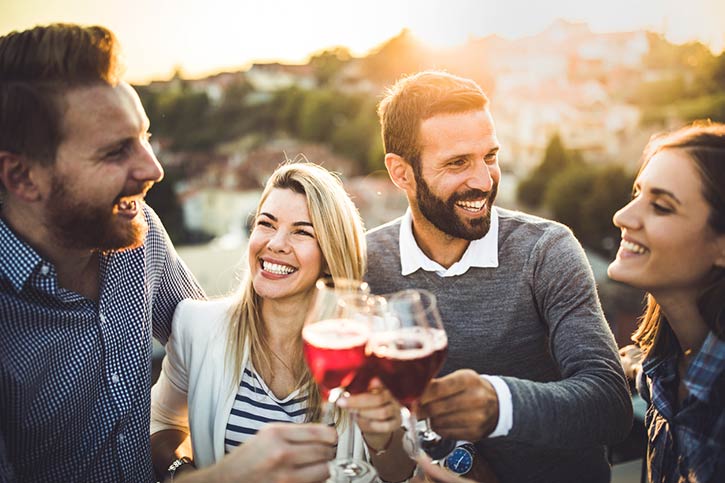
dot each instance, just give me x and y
(400, 172)
(17, 177)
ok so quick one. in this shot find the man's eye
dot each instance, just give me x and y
(116, 153)
(119, 151)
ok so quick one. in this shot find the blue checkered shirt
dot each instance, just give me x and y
(686, 443)
(75, 375)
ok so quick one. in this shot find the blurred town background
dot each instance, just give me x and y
(573, 111)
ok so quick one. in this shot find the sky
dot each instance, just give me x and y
(206, 36)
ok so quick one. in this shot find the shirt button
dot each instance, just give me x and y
(115, 378)
(44, 270)
(121, 437)
(103, 318)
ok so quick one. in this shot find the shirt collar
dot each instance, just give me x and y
(19, 259)
(482, 253)
(706, 368)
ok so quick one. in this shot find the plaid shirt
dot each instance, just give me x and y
(686, 444)
(75, 375)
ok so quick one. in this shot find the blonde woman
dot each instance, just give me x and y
(234, 376)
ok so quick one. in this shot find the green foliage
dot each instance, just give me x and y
(564, 195)
(704, 107)
(328, 63)
(585, 198)
(317, 115)
(556, 159)
(346, 122)
(356, 137)
(690, 83)
(163, 200)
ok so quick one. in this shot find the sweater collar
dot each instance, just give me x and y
(482, 253)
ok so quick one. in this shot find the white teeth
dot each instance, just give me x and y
(277, 269)
(127, 204)
(472, 205)
(633, 247)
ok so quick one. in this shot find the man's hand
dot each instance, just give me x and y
(428, 472)
(294, 453)
(461, 405)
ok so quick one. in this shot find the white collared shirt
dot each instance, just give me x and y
(481, 253)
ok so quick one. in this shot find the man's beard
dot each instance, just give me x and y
(442, 213)
(74, 223)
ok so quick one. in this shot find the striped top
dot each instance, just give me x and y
(256, 405)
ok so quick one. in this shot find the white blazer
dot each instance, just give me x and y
(195, 392)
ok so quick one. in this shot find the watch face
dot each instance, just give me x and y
(460, 461)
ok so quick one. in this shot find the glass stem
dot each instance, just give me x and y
(327, 415)
(409, 422)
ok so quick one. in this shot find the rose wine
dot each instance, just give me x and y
(334, 350)
(403, 361)
(360, 382)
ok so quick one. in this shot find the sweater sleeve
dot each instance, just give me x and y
(591, 403)
(169, 406)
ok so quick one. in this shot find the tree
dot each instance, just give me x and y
(586, 198)
(531, 190)
(612, 189)
(162, 198)
(328, 63)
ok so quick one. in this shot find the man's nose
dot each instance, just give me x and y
(146, 166)
(481, 177)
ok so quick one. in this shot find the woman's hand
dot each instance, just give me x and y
(296, 453)
(631, 357)
(377, 413)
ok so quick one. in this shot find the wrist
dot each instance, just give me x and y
(177, 467)
(380, 445)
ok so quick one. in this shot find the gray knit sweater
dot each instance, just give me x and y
(536, 321)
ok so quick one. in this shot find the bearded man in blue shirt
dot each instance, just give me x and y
(88, 273)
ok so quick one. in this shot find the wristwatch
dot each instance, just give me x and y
(175, 465)
(460, 460)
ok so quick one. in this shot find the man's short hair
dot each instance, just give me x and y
(37, 67)
(418, 97)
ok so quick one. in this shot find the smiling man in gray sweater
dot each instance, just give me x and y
(532, 376)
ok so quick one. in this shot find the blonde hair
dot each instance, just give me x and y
(340, 234)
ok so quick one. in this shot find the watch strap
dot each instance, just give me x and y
(470, 449)
(175, 465)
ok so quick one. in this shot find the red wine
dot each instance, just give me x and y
(334, 350)
(403, 361)
(440, 346)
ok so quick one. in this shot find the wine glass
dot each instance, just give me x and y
(408, 354)
(336, 332)
(431, 442)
